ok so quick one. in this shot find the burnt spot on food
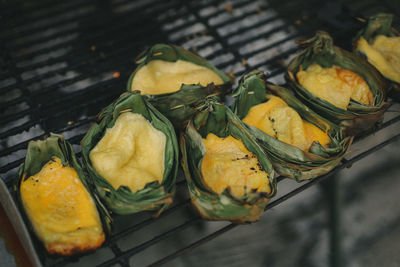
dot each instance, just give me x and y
(260, 166)
(244, 157)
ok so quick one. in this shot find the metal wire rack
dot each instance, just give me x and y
(61, 62)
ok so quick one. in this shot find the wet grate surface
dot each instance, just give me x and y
(58, 70)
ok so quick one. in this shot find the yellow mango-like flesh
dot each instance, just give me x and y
(227, 163)
(277, 119)
(61, 210)
(161, 77)
(384, 54)
(335, 85)
(131, 153)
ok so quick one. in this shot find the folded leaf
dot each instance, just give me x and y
(358, 117)
(50, 176)
(154, 196)
(380, 26)
(163, 66)
(287, 159)
(213, 117)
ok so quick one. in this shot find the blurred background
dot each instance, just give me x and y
(61, 62)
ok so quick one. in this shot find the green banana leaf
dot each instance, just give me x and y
(287, 159)
(358, 117)
(178, 106)
(216, 118)
(39, 153)
(379, 24)
(154, 196)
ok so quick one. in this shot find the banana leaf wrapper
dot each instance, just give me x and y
(213, 117)
(179, 106)
(358, 117)
(379, 24)
(38, 154)
(288, 160)
(154, 196)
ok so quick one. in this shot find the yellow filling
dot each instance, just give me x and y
(277, 119)
(227, 163)
(161, 77)
(131, 153)
(335, 85)
(61, 210)
(384, 54)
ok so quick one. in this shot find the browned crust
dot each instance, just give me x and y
(71, 249)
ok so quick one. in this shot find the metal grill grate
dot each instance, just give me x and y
(58, 61)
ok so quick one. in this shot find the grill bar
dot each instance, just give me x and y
(34, 59)
(79, 93)
(99, 34)
(298, 190)
(42, 6)
(194, 245)
(147, 222)
(39, 27)
(92, 16)
(156, 239)
(39, 77)
(89, 28)
(345, 163)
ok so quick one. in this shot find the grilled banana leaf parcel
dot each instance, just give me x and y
(57, 201)
(131, 153)
(228, 175)
(338, 85)
(176, 79)
(379, 43)
(300, 144)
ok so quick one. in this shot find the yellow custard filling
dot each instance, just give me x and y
(131, 153)
(384, 54)
(335, 85)
(227, 163)
(61, 210)
(277, 119)
(161, 77)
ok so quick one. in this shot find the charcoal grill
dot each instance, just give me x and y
(62, 61)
